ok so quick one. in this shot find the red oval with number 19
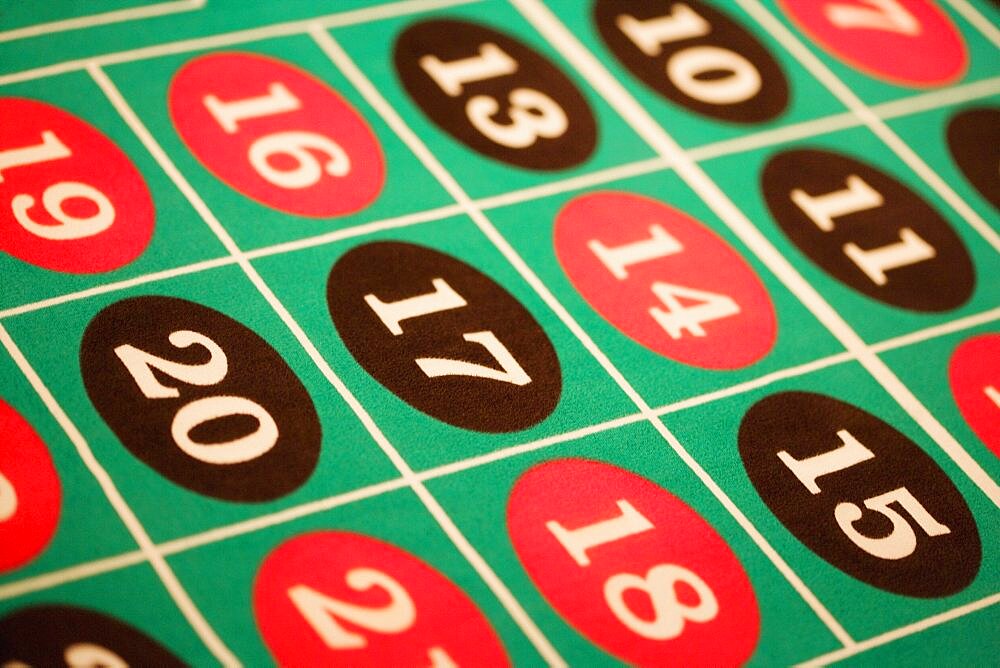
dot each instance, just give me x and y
(70, 199)
(665, 280)
(335, 597)
(276, 134)
(631, 566)
(974, 373)
(905, 42)
(30, 493)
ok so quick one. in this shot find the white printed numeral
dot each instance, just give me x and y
(89, 655)
(850, 453)
(886, 15)
(578, 541)
(669, 613)
(992, 394)
(8, 499)
(678, 318)
(902, 540)
(56, 195)
(301, 146)
(140, 365)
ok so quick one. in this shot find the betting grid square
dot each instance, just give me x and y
(901, 337)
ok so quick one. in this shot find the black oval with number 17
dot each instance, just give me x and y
(494, 94)
(200, 398)
(860, 494)
(443, 337)
(868, 230)
(695, 56)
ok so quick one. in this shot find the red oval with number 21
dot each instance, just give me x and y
(276, 134)
(665, 280)
(631, 566)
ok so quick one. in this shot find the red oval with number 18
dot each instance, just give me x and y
(665, 280)
(631, 566)
(70, 199)
(276, 134)
(340, 598)
(905, 42)
(974, 373)
(30, 493)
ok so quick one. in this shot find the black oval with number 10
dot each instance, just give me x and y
(879, 218)
(449, 341)
(695, 56)
(494, 94)
(200, 398)
(936, 550)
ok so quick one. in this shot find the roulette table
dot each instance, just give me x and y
(473, 333)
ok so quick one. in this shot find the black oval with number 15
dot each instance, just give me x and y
(694, 56)
(495, 95)
(200, 398)
(443, 337)
(860, 494)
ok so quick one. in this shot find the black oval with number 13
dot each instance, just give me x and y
(860, 494)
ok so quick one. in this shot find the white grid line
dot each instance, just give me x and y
(392, 118)
(128, 517)
(499, 589)
(105, 18)
(980, 22)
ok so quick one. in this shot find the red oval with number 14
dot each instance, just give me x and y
(665, 280)
(631, 566)
(276, 134)
(974, 373)
(30, 493)
(905, 42)
(340, 598)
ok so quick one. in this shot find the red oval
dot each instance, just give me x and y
(442, 621)
(704, 263)
(579, 495)
(70, 199)
(30, 494)
(905, 42)
(974, 375)
(263, 104)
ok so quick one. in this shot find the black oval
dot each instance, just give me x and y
(393, 271)
(805, 425)
(451, 40)
(974, 142)
(769, 102)
(941, 283)
(255, 372)
(39, 635)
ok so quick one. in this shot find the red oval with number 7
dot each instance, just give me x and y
(631, 566)
(335, 597)
(70, 199)
(276, 134)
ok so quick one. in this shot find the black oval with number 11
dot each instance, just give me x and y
(494, 94)
(200, 398)
(860, 494)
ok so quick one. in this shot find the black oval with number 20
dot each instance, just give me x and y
(868, 230)
(200, 398)
(64, 635)
(695, 56)
(495, 95)
(443, 337)
(860, 494)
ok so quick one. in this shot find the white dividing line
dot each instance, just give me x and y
(786, 133)
(499, 589)
(117, 16)
(973, 16)
(736, 220)
(392, 118)
(155, 559)
(904, 631)
(939, 98)
(71, 574)
(840, 90)
(352, 17)
(958, 325)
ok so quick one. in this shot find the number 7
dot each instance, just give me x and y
(886, 15)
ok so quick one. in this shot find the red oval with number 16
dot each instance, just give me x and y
(905, 42)
(631, 566)
(276, 134)
(30, 493)
(340, 598)
(665, 280)
(974, 373)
